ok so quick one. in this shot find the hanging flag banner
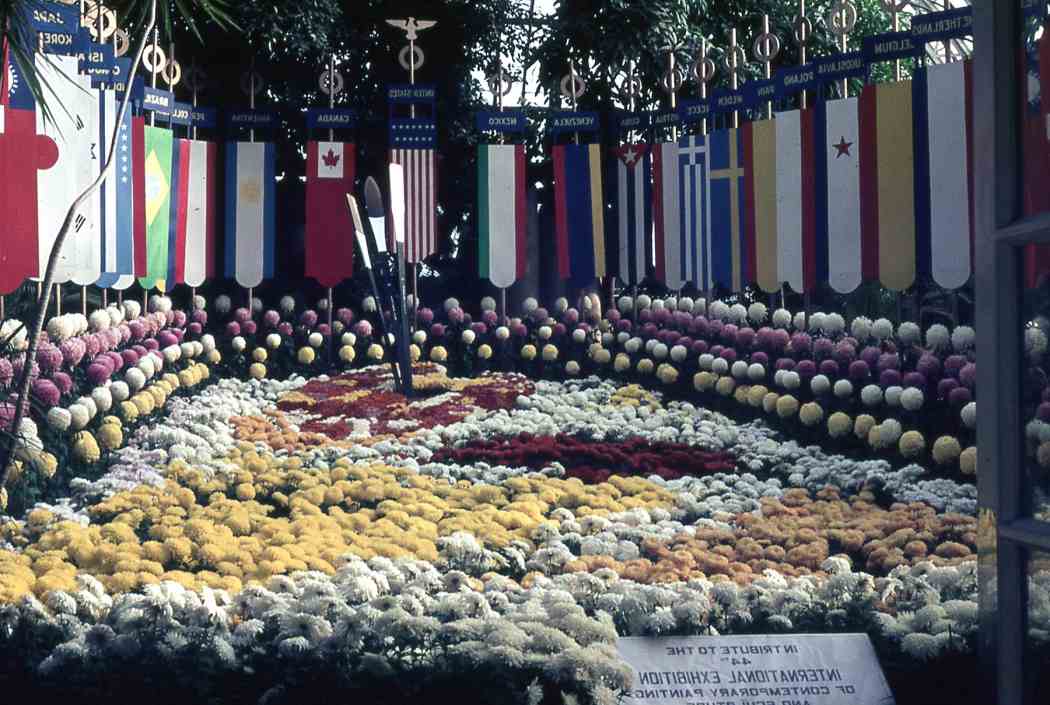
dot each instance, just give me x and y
(23, 153)
(726, 201)
(667, 231)
(579, 212)
(888, 184)
(563, 122)
(179, 202)
(839, 242)
(420, 201)
(501, 213)
(157, 171)
(75, 130)
(251, 119)
(888, 46)
(502, 121)
(417, 133)
(138, 193)
(201, 206)
(634, 215)
(694, 211)
(206, 118)
(118, 244)
(938, 26)
(250, 212)
(944, 192)
(103, 203)
(330, 119)
(330, 171)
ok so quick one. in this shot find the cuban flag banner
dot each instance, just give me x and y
(667, 248)
(943, 179)
(199, 255)
(634, 200)
(158, 144)
(23, 154)
(501, 213)
(330, 171)
(250, 212)
(118, 243)
(578, 212)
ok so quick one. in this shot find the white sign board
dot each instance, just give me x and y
(789, 669)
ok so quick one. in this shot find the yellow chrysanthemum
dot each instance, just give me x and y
(347, 353)
(85, 448)
(260, 355)
(306, 356)
(257, 370)
(438, 353)
(110, 436)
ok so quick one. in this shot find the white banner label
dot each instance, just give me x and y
(790, 669)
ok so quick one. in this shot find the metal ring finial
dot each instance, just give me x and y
(337, 80)
(579, 86)
(418, 58)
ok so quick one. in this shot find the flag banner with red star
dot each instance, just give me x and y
(838, 232)
(634, 215)
(330, 171)
(251, 222)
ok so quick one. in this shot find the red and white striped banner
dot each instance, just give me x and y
(420, 201)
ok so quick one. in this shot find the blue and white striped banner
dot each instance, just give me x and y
(250, 213)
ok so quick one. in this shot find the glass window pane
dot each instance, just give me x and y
(1037, 645)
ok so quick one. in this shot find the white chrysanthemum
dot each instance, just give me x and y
(792, 380)
(351, 339)
(706, 361)
(468, 336)
(861, 328)
(59, 419)
(923, 647)
(544, 332)
(561, 304)
(739, 369)
(679, 353)
(633, 345)
(685, 304)
(820, 385)
(912, 399)
(843, 389)
(622, 337)
(720, 366)
(969, 415)
(757, 313)
(572, 368)
(643, 301)
(938, 337)
(963, 338)
(208, 341)
(99, 320)
(315, 340)
(718, 310)
(79, 416)
(893, 396)
(136, 378)
(608, 339)
(502, 333)
(660, 351)
(781, 318)
(890, 431)
(171, 354)
(188, 350)
(658, 305)
(238, 344)
(871, 395)
(287, 304)
(579, 336)
(1035, 343)
(834, 324)
(369, 304)
(909, 333)
(488, 303)
(799, 321)
(778, 377)
(256, 305)
(816, 322)
(670, 304)
(625, 304)
(273, 341)
(89, 404)
(756, 372)
(451, 303)
(738, 314)
(882, 329)
(120, 391)
(103, 399)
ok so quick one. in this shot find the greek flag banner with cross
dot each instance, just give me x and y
(695, 211)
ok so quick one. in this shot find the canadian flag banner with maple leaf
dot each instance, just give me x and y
(330, 168)
(634, 211)
(251, 222)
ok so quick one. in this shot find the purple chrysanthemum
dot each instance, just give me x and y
(285, 328)
(760, 357)
(166, 338)
(46, 393)
(960, 397)
(455, 315)
(889, 378)
(233, 329)
(859, 370)
(945, 387)
(241, 315)
(699, 347)
(271, 318)
(829, 368)
(98, 373)
(785, 363)
(889, 361)
(250, 327)
(968, 375)
(807, 369)
(915, 379)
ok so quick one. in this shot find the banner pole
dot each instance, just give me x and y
(803, 28)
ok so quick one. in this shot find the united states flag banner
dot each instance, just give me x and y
(634, 199)
(250, 212)
(420, 201)
(330, 168)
